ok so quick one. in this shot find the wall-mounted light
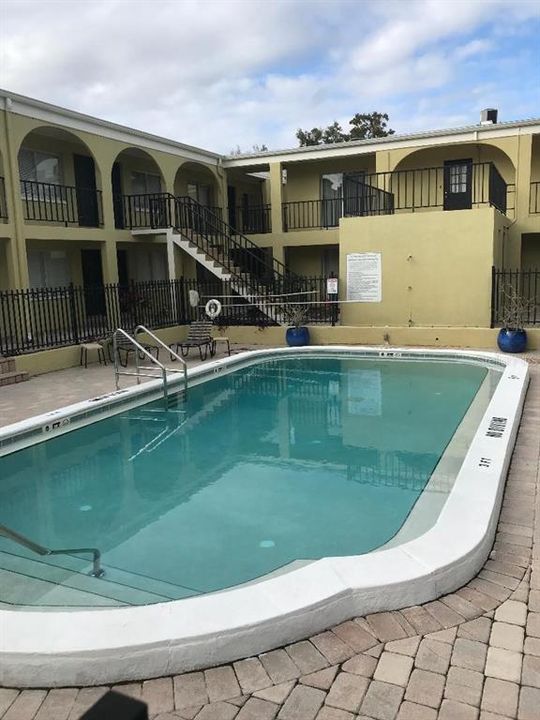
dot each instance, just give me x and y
(284, 176)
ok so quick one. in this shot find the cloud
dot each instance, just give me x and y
(218, 73)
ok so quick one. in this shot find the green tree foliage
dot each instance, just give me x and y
(363, 126)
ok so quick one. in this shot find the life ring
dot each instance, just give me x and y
(213, 309)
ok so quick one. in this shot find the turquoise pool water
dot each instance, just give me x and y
(289, 459)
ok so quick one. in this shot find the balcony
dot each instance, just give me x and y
(251, 220)
(151, 211)
(455, 186)
(61, 204)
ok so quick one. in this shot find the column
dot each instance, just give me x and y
(276, 197)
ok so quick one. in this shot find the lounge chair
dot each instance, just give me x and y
(199, 336)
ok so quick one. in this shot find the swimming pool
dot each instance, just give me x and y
(278, 478)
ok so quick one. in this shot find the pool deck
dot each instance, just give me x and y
(471, 655)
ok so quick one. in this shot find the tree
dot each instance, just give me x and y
(363, 127)
(371, 125)
(254, 149)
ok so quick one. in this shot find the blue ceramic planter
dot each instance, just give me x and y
(297, 336)
(512, 341)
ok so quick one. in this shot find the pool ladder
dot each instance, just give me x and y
(140, 350)
(97, 570)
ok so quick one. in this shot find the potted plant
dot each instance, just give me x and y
(512, 336)
(297, 334)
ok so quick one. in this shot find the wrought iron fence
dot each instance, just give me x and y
(70, 205)
(403, 191)
(44, 318)
(511, 287)
(3, 204)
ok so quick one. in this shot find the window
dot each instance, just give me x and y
(458, 178)
(151, 264)
(39, 167)
(145, 183)
(48, 268)
(201, 193)
(143, 186)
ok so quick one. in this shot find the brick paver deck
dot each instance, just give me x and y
(471, 655)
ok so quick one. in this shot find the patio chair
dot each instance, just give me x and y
(125, 347)
(199, 336)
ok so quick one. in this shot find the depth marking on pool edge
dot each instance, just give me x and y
(497, 426)
(55, 425)
(484, 462)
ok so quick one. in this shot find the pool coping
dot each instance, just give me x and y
(90, 647)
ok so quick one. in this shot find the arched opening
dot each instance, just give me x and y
(199, 183)
(454, 177)
(139, 201)
(60, 181)
(136, 179)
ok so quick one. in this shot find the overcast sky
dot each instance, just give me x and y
(223, 73)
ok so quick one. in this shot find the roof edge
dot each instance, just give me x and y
(76, 115)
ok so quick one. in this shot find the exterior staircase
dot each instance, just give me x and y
(8, 374)
(225, 252)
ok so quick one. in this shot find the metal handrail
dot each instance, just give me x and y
(140, 349)
(10, 534)
(176, 356)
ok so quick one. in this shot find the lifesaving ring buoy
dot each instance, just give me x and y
(213, 308)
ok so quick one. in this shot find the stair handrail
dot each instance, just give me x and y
(276, 266)
(97, 570)
(138, 349)
(176, 356)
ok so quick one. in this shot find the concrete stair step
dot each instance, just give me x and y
(12, 377)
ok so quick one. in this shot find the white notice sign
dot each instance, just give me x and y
(364, 277)
(331, 286)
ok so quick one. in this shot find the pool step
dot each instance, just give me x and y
(33, 582)
(8, 374)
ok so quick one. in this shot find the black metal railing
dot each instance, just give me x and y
(151, 210)
(45, 318)
(66, 204)
(513, 288)
(534, 198)
(251, 220)
(250, 264)
(400, 191)
(3, 203)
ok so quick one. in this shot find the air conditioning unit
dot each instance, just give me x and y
(488, 116)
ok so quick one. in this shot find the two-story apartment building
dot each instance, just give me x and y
(90, 202)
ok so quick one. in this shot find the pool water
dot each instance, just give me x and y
(284, 460)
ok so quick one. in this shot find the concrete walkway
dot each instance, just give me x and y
(471, 655)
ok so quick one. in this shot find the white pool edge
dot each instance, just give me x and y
(91, 647)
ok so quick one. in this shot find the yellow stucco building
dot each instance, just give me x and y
(90, 202)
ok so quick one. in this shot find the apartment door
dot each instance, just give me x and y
(85, 190)
(458, 184)
(94, 293)
(122, 262)
(118, 204)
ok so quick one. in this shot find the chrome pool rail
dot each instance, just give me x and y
(140, 350)
(97, 571)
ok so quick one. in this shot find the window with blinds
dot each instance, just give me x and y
(48, 268)
(145, 183)
(40, 174)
